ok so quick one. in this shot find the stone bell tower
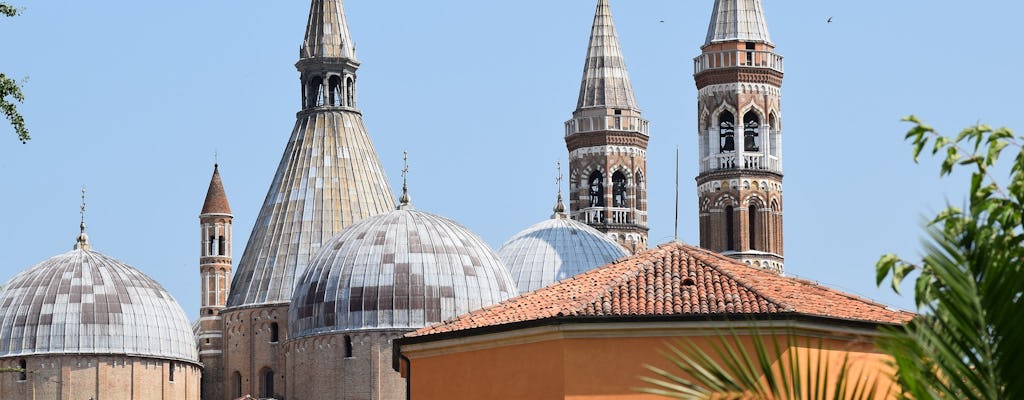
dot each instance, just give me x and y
(607, 142)
(215, 272)
(739, 186)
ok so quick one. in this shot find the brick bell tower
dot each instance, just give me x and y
(739, 186)
(607, 142)
(215, 272)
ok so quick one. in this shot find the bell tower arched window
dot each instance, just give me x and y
(752, 233)
(350, 92)
(730, 231)
(727, 132)
(618, 189)
(596, 183)
(315, 92)
(751, 132)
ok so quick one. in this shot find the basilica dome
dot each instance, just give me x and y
(401, 270)
(554, 250)
(83, 302)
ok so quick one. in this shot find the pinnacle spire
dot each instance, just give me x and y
(559, 209)
(605, 78)
(216, 201)
(405, 202)
(738, 20)
(327, 34)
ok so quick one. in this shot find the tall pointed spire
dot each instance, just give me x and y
(329, 176)
(605, 78)
(327, 33)
(738, 20)
(216, 201)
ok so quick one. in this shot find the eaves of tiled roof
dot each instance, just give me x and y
(674, 281)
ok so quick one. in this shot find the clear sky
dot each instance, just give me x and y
(132, 99)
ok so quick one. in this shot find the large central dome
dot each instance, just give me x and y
(402, 270)
(83, 302)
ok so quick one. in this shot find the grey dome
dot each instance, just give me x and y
(554, 250)
(401, 270)
(83, 302)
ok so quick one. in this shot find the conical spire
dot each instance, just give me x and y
(216, 201)
(738, 20)
(605, 78)
(327, 33)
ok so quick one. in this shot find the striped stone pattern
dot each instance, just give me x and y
(554, 250)
(329, 178)
(606, 82)
(327, 34)
(83, 302)
(398, 271)
(738, 20)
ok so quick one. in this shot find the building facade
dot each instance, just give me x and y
(739, 107)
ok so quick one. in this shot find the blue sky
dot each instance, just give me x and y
(132, 99)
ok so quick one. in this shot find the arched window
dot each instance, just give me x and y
(596, 183)
(170, 372)
(618, 189)
(237, 383)
(350, 92)
(751, 132)
(727, 131)
(268, 383)
(315, 92)
(273, 332)
(335, 90)
(23, 367)
(729, 231)
(348, 346)
(752, 233)
(221, 245)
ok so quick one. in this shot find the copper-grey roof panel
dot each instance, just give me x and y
(329, 178)
(554, 250)
(738, 20)
(83, 302)
(398, 271)
(606, 80)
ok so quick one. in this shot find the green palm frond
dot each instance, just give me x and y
(766, 367)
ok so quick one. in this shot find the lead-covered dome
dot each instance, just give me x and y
(83, 302)
(554, 250)
(401, 270)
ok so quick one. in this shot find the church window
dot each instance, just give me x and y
(23, 367)
(348, 346)
(335, 91)
(726, 132)
(268, 383)
(751, 132)
(274, 333)
(350, 92)
(315, 92)
(596, 182)
(210, 250)
(729, 231)
(618, 189)
(221, 245)
(170, 372)
(750, 53)
(752, 216)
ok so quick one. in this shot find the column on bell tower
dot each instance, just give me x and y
(215, 272)
(607, 141)
(739, 81)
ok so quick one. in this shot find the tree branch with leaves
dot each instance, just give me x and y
(10, 91)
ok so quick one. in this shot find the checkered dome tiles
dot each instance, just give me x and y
(398, 271)
(556, 249)
(83, 302)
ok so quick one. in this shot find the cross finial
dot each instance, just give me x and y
(83, 239)
(405, 202)
(216, 158)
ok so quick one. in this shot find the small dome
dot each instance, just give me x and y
(554, 250)
(403, 270)
(83, 302)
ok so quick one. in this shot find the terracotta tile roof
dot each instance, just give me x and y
(676, 280)
(216, 201)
